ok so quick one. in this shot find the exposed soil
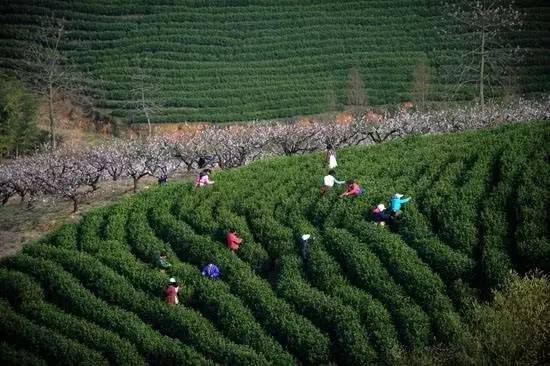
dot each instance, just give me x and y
(19, 225)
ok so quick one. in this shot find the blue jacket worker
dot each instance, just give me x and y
(396, 202)
(211, 271)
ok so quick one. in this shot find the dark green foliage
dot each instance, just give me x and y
(12, 356)
(408, 292)
(218, 61)
(351, 344)
(51, 346)
(367, 272)
(65, 291)
(448, 263)
(180, 322)
(27, 297)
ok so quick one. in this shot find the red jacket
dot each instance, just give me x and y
(353, 189)
(233, 241)
(172, 295)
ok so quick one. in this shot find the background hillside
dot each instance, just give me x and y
(89, 292)
(243, 60)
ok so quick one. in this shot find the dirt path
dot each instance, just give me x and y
(19, 226)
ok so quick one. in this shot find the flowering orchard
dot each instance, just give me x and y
(74, 174)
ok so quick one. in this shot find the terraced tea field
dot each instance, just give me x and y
(243, 60)
(90, 293)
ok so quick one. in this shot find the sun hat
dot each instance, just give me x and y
(398, 195)
(172, 280)
(381, 207)
(306, 236)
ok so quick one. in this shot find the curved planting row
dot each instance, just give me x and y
(181, 322)
(65, 291)
(220, 62)
(304, 340)
(364, 294)
(27, 298)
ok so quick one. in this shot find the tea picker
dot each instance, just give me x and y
(331, 157)
(233, 241)
(304, 245)
(397, 201)
(353, 189)
(379, 214)
(203, 179)
(329, 181)
(172, 292)
(211, 271)
(162, 261)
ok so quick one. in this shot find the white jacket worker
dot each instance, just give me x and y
(331, 157)
(329, 180)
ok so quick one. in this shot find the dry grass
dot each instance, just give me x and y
(19, 225)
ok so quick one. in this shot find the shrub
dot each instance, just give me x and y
(295, 332)
(179, 322)
(11, 356)
(350, 341)
(64, 290)
(366, 271)
(27, 297)
(448, 263)
(53, 347)
(417, 279)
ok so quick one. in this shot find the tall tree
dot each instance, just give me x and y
(48, 70)
(421, 83)
(357, 95)
(18, 132)
(144, 93)
(483, 25)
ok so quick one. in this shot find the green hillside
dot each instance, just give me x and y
(89, 292)
(242, 60)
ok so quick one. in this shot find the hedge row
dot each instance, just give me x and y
(532, 235)
(324, 272)
(304, 340)
(48, 344)
(448, 263)
(212, 298)
(216, 221)
(366, 271)
(350, 341)
(242, 40)
(65, 291)
(12, 356)
(417, 279)
(27, 297)
(178, 322)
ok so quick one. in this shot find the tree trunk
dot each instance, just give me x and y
(51, 117)
(482, 71)
(145, 111)
(149, 126)
(75, 204)
(135, 183)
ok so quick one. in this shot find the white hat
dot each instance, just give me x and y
(398, 195)
(172, 280)
(306, 236)
(381, 207)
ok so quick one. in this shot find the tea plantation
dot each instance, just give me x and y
(90, 293)
(241, 60)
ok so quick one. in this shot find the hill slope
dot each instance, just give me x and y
(242, 60)
(366, 294)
